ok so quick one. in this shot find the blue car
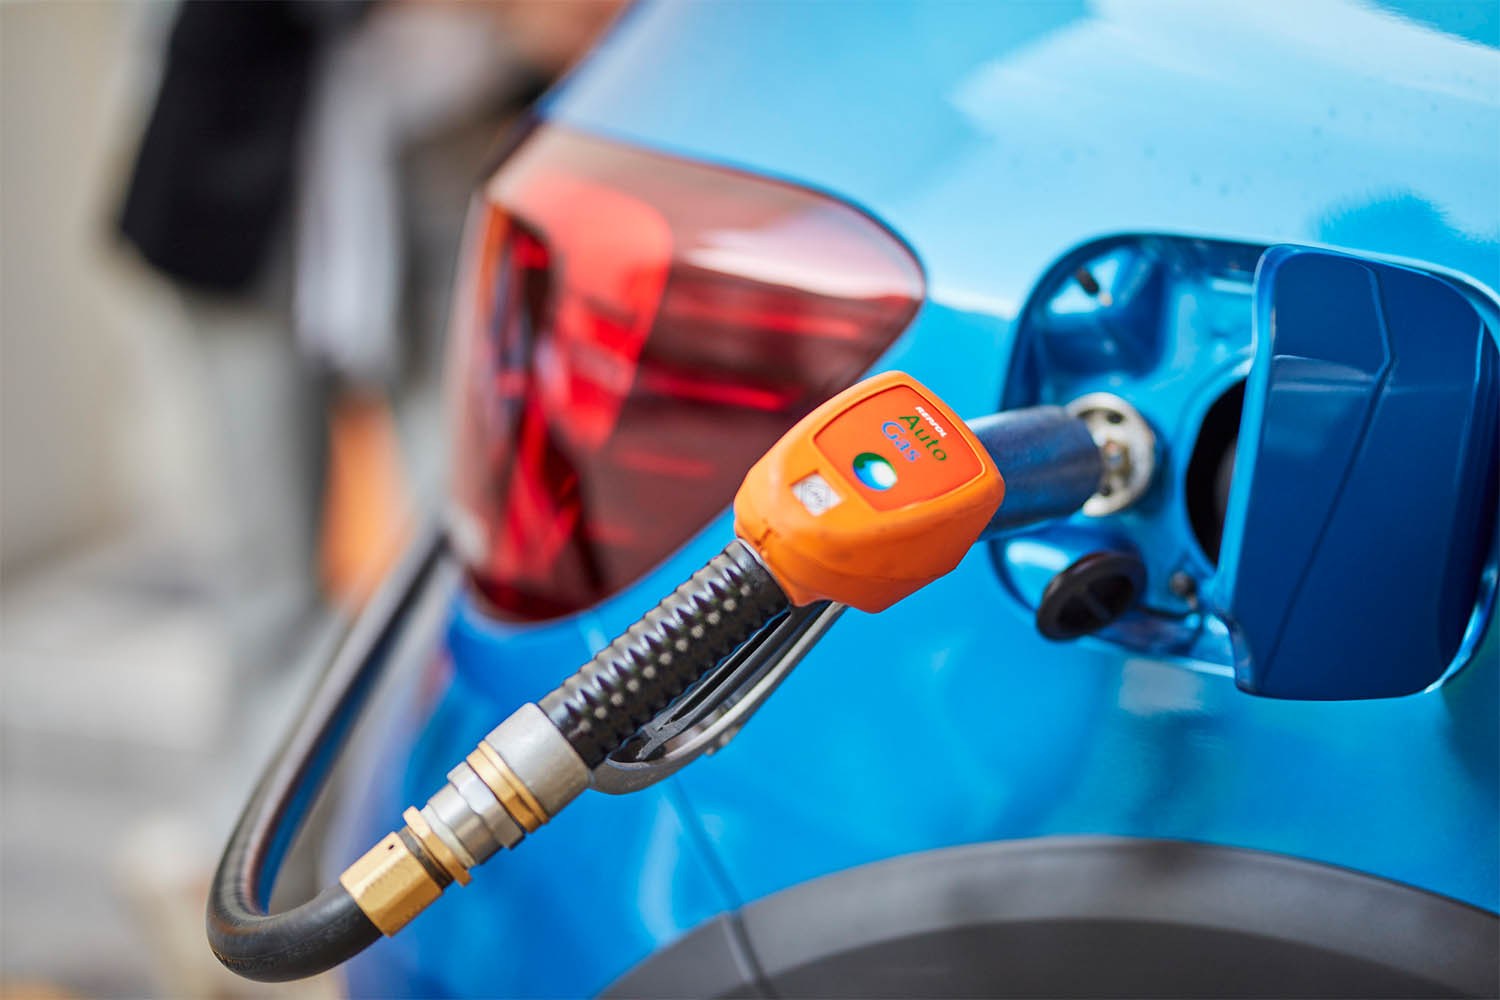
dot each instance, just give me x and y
(1237, 736)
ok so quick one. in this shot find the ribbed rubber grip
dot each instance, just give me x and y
(675, 643)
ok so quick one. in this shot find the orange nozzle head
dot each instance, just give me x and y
(873, 495)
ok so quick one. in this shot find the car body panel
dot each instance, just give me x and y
(994, 138)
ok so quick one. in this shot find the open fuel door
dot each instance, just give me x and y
(1358, 558)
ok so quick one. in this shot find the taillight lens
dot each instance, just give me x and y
(632, 331)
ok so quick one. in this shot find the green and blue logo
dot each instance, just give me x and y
(874, 471)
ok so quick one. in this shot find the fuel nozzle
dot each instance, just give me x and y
(873, 495)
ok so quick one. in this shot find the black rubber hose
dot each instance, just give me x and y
(636, 676)
(330, 928)
(302, 942)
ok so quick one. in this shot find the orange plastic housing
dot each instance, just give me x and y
(873, 495)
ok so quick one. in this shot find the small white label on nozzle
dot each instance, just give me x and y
(816, 494)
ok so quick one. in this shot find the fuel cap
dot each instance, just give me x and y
(1090, 594)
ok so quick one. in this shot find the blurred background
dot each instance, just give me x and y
(226, 242)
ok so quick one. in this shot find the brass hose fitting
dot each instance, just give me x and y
(520, 776)
(391, 883)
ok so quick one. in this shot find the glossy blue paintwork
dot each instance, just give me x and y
(995, 138)
(1361, 525)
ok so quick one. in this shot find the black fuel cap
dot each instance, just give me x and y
(1090, 594)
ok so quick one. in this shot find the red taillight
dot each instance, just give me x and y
(632, 332)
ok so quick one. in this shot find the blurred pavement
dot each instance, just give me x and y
(122, 767)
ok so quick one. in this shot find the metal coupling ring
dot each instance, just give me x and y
(1127, 448)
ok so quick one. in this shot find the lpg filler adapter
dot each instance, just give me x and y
(870, 497)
